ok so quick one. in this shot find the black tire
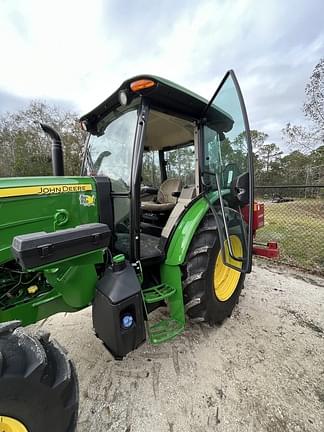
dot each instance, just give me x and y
(201, 303)
(38, 384)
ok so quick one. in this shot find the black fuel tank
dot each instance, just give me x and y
(117, 310)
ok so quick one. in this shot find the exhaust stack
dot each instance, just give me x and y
(57, 150)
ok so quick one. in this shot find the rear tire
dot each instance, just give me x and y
(38, 384)
(201, 302)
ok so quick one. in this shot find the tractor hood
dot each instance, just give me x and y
(33, 204)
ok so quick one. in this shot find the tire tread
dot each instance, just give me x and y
(35, 361)
(196, 273)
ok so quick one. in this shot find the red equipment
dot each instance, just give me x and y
(268, 250)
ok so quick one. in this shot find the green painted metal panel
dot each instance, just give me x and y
(73, 288)
(171, 275)
(182, 237)
(171, 271)
(186, 229)
(29, 313)
(48, 204)
(25, 214)
(171, 291)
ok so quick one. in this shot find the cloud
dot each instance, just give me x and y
(10, 102)
(82, 50)
(53, 60)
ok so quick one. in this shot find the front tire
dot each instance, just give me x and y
(38, 384)
(211, 289)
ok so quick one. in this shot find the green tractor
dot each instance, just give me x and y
(161, 216)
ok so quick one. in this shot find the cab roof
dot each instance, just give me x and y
(165, 96)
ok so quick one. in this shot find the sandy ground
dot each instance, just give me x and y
(262, 370)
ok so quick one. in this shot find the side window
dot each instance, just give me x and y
(151, 175)
(180, 163)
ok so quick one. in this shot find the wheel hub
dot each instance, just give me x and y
(226, 278)
(9, 424)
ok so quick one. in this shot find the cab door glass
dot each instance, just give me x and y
(151, 175)
(226, 169)
(110, 153)
(225, 137)
(180, 163)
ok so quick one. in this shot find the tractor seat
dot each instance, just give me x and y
(165, 201)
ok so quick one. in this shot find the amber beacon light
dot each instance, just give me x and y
(142, 84)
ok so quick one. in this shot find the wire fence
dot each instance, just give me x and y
(294, 217)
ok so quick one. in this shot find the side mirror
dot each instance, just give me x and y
(229, 174)
(241, 188)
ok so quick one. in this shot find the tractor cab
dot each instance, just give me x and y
(163, 148)
(160, 216)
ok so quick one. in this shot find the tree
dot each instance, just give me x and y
(299, 137)
(264, 155)
(268, 154)
(314, 103)
(317, 156)
(312, 135)
(181, 164)
(151, 169)
(258, 139)
(294, 168)
(317, 162)
(27, 150)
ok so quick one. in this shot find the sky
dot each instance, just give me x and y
(75, 53)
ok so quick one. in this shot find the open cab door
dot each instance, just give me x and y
(227, 172)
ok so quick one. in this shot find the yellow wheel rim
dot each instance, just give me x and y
(9, 424)
(225, 278)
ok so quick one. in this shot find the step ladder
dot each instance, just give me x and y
(165, 329)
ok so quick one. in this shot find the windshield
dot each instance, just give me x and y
(110, 153)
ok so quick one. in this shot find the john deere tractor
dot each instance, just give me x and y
(162, 216)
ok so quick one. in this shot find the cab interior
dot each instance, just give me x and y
(168, 181)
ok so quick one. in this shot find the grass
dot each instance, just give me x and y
(298, 227)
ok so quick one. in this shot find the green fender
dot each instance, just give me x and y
(186, 229)
(177, 251)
